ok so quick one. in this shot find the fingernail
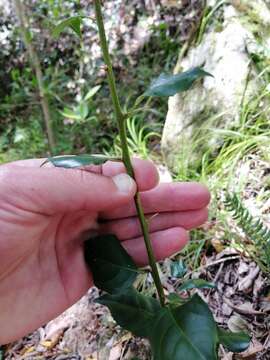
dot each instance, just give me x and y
(124, 183)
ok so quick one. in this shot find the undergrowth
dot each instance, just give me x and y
(258, 233)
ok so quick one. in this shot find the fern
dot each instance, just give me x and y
(253, 228)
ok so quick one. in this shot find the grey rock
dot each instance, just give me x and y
(226, 54)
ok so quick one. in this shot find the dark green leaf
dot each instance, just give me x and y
(184, 332)
(196, 284)
(235, 342)
(132, 310)
(73, 23)
(169, 85)
(73, 161)
(113, 269)
(178, 269)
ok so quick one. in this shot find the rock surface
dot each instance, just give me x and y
(226, 50)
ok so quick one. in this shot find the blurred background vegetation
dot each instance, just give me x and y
(74, 80)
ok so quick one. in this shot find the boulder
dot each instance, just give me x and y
(225, 50)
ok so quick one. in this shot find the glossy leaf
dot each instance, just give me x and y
(235, 342)
(178, 269)
(76, 161)
(133, 311)
(112, 268)
(169, 85)
(184, 332)
(196, 284)
(73, 23)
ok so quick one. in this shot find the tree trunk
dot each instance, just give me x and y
(34, 60)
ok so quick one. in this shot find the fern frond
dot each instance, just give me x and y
(255, 229)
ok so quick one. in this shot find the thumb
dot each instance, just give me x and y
(52, 190)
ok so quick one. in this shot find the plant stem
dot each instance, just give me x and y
(34, 60)
(121, 120)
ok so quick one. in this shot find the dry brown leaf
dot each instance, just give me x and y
(254, 349)
(115, 352)
(247, 282)
(27, 350)
(50, 344)
(217, 245)
(228, 356)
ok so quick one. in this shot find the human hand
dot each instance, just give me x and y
(47, 213)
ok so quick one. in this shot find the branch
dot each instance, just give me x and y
(34, 60)
(121, 120)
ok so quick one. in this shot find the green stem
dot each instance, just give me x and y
(121, 120)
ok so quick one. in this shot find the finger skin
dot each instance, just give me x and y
(129, 228)
(49, 191)
(165, 244)
(146, 173)
(166, 197)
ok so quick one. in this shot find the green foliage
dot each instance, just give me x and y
(132, 310)
(22, 140)
(169, 85)
(81, 111)
(180, 329)
(113, 269)
(139, 137)
(77, 161)
(187, 331)
(235, 342)
(178, 269)
(253, 228)
(196, 284)
(74, 23)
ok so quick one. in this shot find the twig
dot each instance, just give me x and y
(208, 265)
(243, 311)
(121, 120)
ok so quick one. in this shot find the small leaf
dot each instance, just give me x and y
(113, 269)
(92, 92)
(196, 284)
(185, 332)
(76, 161)
(178, 269)
(169, 85)
(132, 310)
(175, 299)
(73, 23)
(83, 110)
(235, 342)
(70, 114)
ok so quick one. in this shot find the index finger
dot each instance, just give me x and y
(146, 173)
